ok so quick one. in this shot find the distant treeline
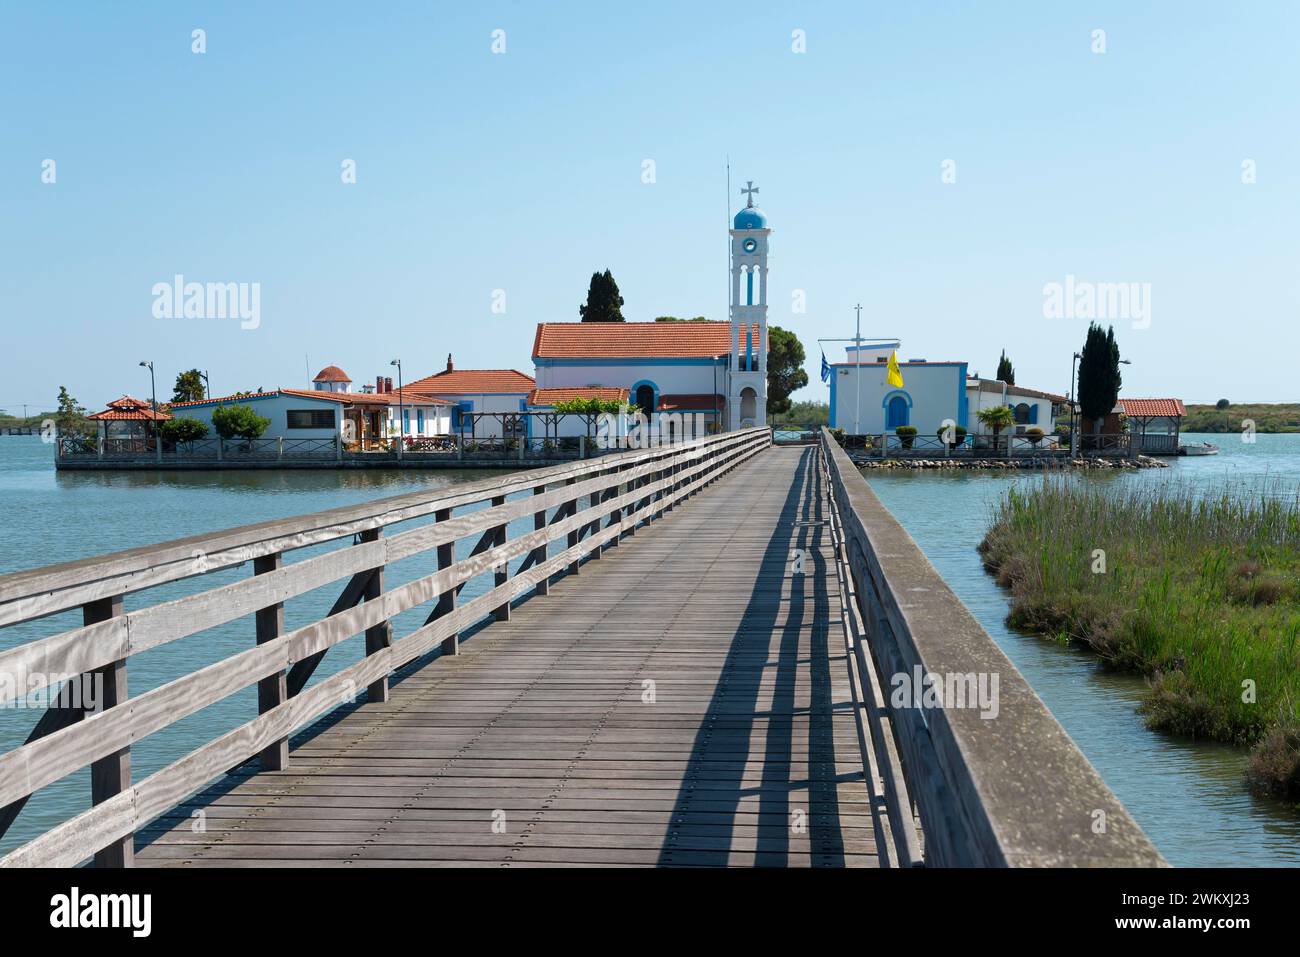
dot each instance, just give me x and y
(1268, 417)
(804, 413)
(15, 421)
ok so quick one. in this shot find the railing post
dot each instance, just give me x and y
(447, 600)
(272, 691)
(110, 775)
(338, 448)
(572, 538)
(221, 449)
(279, 448)
(582, 446)
(380, 636)
(501, 573)
(99, 446)
(539, 553)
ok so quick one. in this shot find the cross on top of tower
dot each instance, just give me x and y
(749, 190)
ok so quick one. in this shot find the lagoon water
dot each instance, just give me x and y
(1188, 796)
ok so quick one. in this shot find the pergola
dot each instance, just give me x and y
(140, 420)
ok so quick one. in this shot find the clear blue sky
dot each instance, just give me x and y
(522, 172)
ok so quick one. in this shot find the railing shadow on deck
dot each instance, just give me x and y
(996, 787)
(735, 703)
(587, 506)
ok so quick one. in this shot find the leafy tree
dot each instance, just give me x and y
(1006, 372)
(1222, 405)
(238, 421)
(1099, 378)
(997, 418)
(70, 418)
(189, 387)
(183, 430)
(785, 373)
(603, 300)
(805, 413)
(676, 319)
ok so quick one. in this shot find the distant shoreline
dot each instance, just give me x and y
(1268, 417)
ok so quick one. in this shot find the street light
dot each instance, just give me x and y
(153, 394)
(401, 409)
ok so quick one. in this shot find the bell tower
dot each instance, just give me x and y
(747, 372)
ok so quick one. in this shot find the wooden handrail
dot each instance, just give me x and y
(624, 490)
(1010, 790)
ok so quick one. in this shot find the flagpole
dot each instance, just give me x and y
(857, 371)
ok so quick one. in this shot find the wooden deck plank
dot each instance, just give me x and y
(742, 751)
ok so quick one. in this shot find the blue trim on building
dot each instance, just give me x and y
(834, 376)
(631, 395)
(963, 401)
(887, 403)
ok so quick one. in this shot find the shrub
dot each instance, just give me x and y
(958, 435)
(1034, 435)
(183, 430)
(907, 433)
(238, 422)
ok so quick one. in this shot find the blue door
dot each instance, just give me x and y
(896, 412)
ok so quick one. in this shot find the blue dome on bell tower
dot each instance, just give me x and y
(751, 217)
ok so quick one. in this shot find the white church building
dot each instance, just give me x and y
(715, 372)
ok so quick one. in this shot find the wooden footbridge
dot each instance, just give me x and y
(688, 655)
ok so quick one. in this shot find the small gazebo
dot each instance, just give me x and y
(129, 418)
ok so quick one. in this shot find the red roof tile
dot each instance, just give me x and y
(469, 381)
(128, 402)
(129, 415)
(692, 402)
(331, 374)
(633, 340)
(552, 396)
(1146, 408)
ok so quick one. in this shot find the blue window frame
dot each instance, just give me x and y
(406, 421)
(419, 421)
(896, 412)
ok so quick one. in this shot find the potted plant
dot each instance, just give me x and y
(1034, 435)
(906, 434)
(952, 435)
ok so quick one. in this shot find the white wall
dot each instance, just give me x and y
(977, 400)
(274, 408)
(935, 391)
(686, 378)
(484, 402)
(437, 420)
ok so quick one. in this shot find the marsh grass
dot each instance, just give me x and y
(1200, 593)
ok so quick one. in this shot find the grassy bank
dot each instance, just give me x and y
(1201, 595)
(1268, 417)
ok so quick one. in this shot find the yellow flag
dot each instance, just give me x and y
(894, 375)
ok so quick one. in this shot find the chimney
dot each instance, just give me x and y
(449, 368)
(388, 383)
(379, 384)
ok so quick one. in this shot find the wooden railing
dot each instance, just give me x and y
(589, 505)
(990, 787)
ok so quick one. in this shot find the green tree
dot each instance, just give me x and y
(184, 429)
(676, 319)
(70, 417)
(1222, 405)
(1006, 371)
(785, 373)
(238, 422)
(189, 387)
(997, 418)
(603, 300)
(1099, 378)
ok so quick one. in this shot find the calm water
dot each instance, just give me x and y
(1187, 796)
(54, 517)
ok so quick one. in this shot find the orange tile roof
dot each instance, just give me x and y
(633, 340)
(469, 381)
(392, 398)
(331, 374)
(1146, 408)
(128, 402)
(129, 415)
(695, 402)
(552, 396)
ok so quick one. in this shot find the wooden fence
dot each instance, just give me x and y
(989, 790)
(591, 505)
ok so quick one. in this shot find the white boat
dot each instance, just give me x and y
(1198, 448)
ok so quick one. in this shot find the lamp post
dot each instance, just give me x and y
(153, 398)
(401, 408)
(207, 386)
